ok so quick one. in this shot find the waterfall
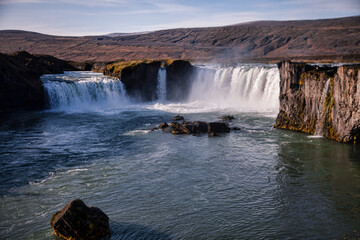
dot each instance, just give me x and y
(161, 84)
(247, 87)
(321, 113)
(83, 90)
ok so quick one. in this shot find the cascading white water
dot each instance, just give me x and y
(83, 90)
(319, 130)
(247, 87)
(161, 87)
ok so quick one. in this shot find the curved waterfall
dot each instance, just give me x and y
(244, 88)
(82, 90)
(247, 87)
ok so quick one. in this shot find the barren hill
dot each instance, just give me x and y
(326, 39)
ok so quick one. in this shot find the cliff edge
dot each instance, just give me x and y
(320, 100)
(140, 78)
(20, 84)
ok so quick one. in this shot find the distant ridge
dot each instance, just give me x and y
(125, 34)
(268, 41)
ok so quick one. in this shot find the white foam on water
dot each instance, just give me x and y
(136, 132)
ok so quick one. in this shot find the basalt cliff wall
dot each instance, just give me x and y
(140, 78)
(20, 84)
(320, 100)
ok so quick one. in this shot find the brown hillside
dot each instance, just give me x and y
(327, 40)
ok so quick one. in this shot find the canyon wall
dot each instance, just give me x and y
(320, 100)
(140, 78)
(20, 84)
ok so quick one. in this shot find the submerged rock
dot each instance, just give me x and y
(80, 222)
(178, 118)
(227, 118)
(218, 127)
(212, 134)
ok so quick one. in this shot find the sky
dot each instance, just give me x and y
(96, 17)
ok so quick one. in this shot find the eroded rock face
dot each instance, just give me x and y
(178, 79)
(320, 100)
(20, 84)
(141, 78)
(79, 222)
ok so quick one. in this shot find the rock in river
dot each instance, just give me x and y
(178, 118)
(77, 221)
(195, 127)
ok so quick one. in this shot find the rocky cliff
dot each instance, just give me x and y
(141, 78)
(178, 79)
(20, 84)
(320, 100)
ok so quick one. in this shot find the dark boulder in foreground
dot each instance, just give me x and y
(80, 222)
(195, 127)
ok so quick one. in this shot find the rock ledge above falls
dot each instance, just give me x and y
(140, 78)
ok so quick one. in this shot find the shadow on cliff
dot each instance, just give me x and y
(124, 231)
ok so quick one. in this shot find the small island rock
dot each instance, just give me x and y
(227, 118)
(178, 118)
(163, 125)
(77, 221)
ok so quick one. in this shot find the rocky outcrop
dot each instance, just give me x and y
(227, 118)
(80, 222)
(320, 100)
(20, 84)
(141, 78)
(178, 118)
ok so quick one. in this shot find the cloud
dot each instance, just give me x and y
(8, 2)
(210, 20)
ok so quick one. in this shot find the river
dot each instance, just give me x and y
(95, 143)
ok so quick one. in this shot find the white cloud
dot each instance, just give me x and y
(8, 2)
(211, 20)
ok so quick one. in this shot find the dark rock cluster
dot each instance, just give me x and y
(194, 127)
